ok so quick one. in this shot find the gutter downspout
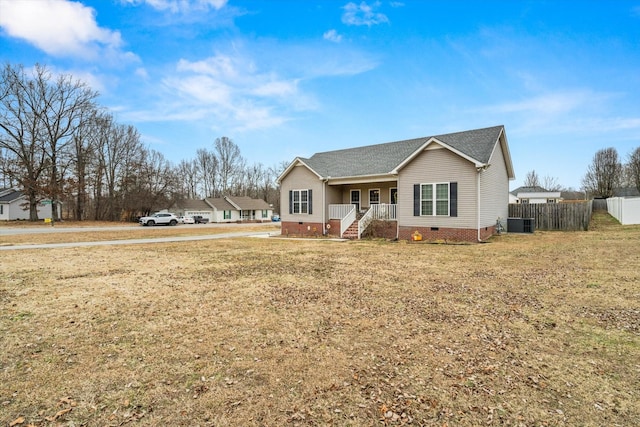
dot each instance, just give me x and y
(478, 203)
(324, 206)
(480, 170)
(397, 219)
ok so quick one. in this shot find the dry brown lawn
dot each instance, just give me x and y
(113, 231)
(527, 330)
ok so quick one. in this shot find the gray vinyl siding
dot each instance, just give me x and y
(494, 190)
(432, 166)
(301, 178)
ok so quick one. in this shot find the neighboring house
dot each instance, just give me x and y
(226, 209)
(452, 187)
(626, 192)
(14, 206)
(240, 208)
(534, 195)
(191, 207)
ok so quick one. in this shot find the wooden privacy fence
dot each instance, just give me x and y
(554, 216)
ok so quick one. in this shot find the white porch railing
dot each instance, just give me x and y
(345, 213)
(376, 212)
(384, 211)
(340, 211)
(365, 221)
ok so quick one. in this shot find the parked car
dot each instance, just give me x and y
(160, 218)
(186, 220)
(275, 218)
(199, 219)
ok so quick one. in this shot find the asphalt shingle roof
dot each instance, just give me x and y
(247, 203)
(11, 196)
(384, 158)
(220, 204)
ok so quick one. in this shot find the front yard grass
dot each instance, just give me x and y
(530, 330)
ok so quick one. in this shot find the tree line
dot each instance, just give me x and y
(606, 174)
(57, 143)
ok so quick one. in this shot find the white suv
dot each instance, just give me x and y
(159, 219)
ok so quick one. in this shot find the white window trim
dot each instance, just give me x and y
(379, 196)
(356, 190)
(299, 202)
(434, 199)
(390, 193)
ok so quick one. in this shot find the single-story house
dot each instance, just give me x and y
(226, 209)
(14, 206)
(533, 195)
(452, 187)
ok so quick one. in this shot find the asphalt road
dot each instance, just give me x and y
(13, 231)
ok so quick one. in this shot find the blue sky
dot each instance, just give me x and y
(291, 78)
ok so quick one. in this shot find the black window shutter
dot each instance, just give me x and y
(310, 203)
(416, 200)
(290, 201)
(453, 201)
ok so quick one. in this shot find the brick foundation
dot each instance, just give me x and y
(388, 229)
(334, 231)
(303, 229)
(433, 234)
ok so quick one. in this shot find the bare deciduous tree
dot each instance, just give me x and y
(633, 168)
(188, 171)
(550, 183)
(603, 174)
(206, 165)
(67, 102)
(229, 160)
(21, 134)
(531, 179)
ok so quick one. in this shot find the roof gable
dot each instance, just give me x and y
(385, 159)
(221, 204)
(11, 196)
(193, 205)
(246, 203)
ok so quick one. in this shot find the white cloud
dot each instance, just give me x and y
(142, 72)
(363, 14)
(228, 90)
(175, 6)
(548, 104)
(333, 36)
(61, 28)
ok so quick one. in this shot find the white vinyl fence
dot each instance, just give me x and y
(625, 209)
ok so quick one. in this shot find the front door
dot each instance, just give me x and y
(393, 196)
(355, 199)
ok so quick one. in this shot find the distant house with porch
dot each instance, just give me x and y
(452, 187)
(226, 209)
(533, 195)
(14, 205)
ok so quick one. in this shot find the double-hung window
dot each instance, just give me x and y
(436, 199)
(300, 202)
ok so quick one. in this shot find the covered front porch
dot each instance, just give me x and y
(347, 221)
